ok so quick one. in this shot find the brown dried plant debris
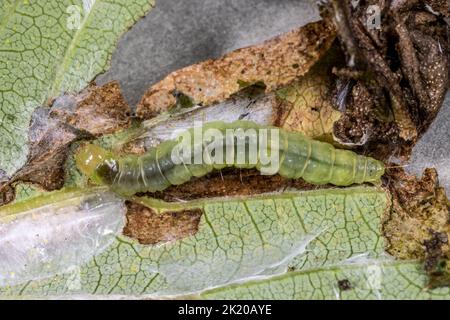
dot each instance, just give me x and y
(275, 63)
(399, 69)
(150, 227)
(97, 110)
(436, 262)
(94, 112)
(7, 193)
(49, 141)
(419, 214)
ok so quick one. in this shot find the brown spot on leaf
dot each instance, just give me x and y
(291, 269)
(150, 227)
(275, 63)
(344, 285)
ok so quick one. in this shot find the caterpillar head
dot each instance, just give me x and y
(90, 158)
(374, 170)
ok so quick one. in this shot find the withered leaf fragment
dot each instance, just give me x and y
(93, 112)
(49, 141)
(97, 110)
(275, 63)
(420, 210)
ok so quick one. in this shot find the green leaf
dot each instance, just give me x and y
(237, 240)
(51, 47)
(371, 280)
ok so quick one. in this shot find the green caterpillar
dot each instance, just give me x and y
(242, 143)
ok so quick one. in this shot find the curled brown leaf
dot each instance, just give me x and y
(401, 68)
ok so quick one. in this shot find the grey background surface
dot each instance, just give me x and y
(177, 33)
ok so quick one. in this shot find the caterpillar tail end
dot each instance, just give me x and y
(89, 158)
(375, 169)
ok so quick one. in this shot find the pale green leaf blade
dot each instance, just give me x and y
(238, 239)
(373, 280)
(47, 48)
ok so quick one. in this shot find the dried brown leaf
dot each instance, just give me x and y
(275, 63)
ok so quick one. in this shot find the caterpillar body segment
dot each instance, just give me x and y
(241, 144)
